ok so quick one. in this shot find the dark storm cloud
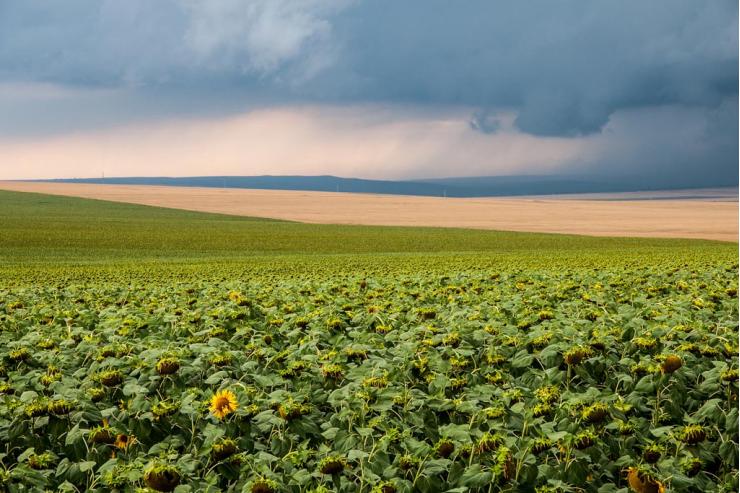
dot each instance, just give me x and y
(564, 66)
(564, 69)
(672, 146)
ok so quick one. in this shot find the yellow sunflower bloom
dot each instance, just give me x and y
(223, 403)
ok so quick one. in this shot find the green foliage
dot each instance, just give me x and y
(346, 407)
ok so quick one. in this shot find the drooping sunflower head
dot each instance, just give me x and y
(36, 409)
(625, 427)
(110, 378)
(220, 360)
(290, 410)
(494, 412)
(123, 441)
(645, 342)
(385, 487)
(332, 372)
(671, 363)
(408, 462)
(584, 440)
(167, 366)
(19, 355)
(444, 448)
(223, 403)
(489, 442)
(691, 466)
(693, 434)
(165, 408)
(652, 453)
(263, 485)
(575, 355)
(547, 489)
(541, 409)
(383, 329)
(541, 444)
(41, 461)
(162, 477)
(730, 375)
(101, 435)
(96, 394)
(332, 465)
(505, 466)
(355, 354)
(223, 449)
(641, 480)
(547, 394)
(595, 413)
(60, 407)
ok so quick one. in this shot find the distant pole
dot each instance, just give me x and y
(444, 194)
(337, 187)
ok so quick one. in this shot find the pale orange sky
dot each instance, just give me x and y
(359, 141)
(364, 141)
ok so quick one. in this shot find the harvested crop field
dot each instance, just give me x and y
(706, 219)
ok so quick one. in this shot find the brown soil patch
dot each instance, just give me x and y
(647, 218)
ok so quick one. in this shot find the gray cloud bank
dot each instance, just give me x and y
(566, 69)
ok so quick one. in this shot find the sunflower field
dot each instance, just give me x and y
(614, 380)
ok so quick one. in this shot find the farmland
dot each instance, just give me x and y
(624, 215)
(153, 348)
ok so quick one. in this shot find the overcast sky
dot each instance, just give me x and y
(374, 88)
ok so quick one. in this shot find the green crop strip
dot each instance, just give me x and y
(44, 235)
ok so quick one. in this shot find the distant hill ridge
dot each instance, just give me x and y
(486, 186)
